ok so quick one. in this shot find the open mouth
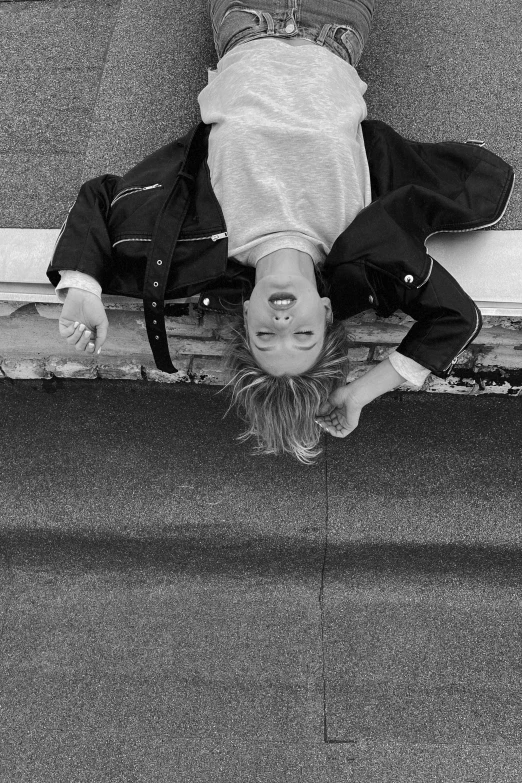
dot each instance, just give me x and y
(282, 302)
(282, 297)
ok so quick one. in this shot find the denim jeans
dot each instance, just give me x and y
(342, 26)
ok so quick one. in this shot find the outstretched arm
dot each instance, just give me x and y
(340, 414)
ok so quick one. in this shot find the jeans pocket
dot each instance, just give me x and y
(239, 8)
(237, 22)
(351, 40)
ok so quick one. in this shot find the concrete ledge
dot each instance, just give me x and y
(32, 349)
(488, 265)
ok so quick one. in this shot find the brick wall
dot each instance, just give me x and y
(30, 347)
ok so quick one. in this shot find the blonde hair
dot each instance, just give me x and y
(280, 410)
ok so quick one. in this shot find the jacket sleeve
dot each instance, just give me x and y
(84, 244)
(446, 320)
(70, 279)
(412, 372)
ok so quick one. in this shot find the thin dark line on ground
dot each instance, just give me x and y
(6, 559)
(38, 68)
(102, 71)
(321, 591)
(327, 740)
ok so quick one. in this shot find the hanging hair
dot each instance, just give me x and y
(280, 410)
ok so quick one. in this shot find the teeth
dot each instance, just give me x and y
(282, 301)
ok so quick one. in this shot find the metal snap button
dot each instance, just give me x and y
(370, 299)
(156, 285)
(154, 304)
(408, 279)
(154, 322)
(290, 27)
(157, 337)
(159, 262)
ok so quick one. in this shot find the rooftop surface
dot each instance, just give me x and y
(89, 88)
(175, 608)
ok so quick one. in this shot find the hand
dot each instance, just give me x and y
(83, 321)
(340, 413)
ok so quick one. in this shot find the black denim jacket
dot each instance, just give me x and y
(158, 233)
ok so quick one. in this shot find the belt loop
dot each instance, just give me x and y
(322, 35)
(270, 27)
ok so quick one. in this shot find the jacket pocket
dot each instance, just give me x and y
(133, 191)
(213, 237)
(131, 239)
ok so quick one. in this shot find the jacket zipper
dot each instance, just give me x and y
(468, 341)
(466, 231)
(429, 273)
(131, 239)
(62, 229)
(130, 191)
(214, 238)
(477, 228)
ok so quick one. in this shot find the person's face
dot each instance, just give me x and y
(286, 319)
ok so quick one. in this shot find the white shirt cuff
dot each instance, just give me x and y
(411, 371)
(72, 279)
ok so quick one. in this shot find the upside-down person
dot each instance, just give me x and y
(286, 206)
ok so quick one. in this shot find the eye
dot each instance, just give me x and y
(258, 334)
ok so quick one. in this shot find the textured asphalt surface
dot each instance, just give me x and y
(174, 608)
(88, 88)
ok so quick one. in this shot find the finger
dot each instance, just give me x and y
(328, 426)
(77, 333)
(339, 430)
(335, 432)
(66, 327)
(337, 425)
(324, 426)
(336, 421)
(83, 342)
(329, 420)
(101, 336)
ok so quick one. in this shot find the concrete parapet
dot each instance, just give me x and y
(71, 367)
(31, 348)
(503, 356)
(23, 367)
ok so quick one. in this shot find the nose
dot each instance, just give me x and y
(282, 319)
